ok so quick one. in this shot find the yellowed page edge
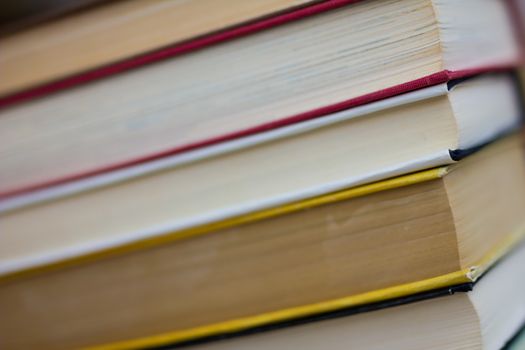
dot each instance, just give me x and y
(396, 182)
(236, 325)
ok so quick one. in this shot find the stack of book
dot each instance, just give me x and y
(285, 174)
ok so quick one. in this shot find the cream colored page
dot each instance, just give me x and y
(116, 31)
(442, 323)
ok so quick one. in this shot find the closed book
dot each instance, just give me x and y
(484, 318)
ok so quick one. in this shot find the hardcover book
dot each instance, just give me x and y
(484, 318)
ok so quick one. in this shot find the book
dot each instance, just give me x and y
(288, 73)
(385, 240)
(484, 318)
(114, 31)
(411, 132)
